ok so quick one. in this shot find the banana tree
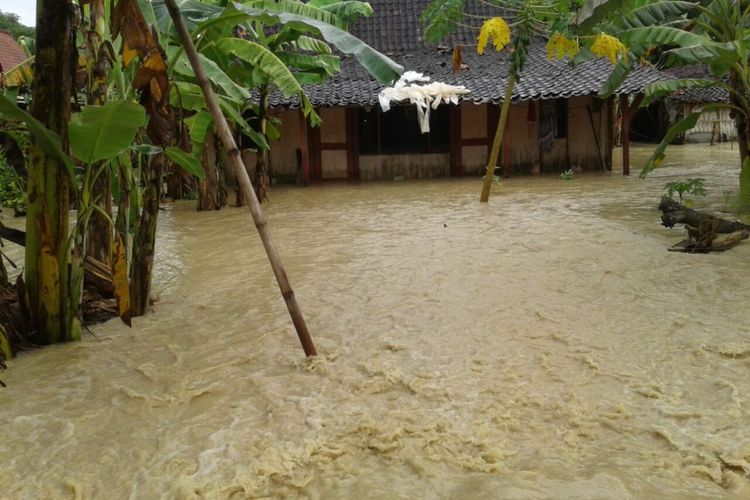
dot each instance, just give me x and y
(274, 45)
(715, 33)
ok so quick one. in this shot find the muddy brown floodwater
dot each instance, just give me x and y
(544, 345)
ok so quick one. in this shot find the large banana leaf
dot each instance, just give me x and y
(102, 132)
(47, 139)
(719, 57)
(198, 127)
(268, 62)
(618, 75)
(19, 75)
(649, 36)
(327, 64)
(678, 128)
(191, 97)
(187, 161)
(215, 74)
(383, 68)
(311, 44)
(346, 10)
(296, 7)
(655, 14)
(192, 11)
(593, 12)
(655, 90)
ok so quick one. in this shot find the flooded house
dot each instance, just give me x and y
(556, 122)
(712, 126)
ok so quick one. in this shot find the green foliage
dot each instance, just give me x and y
(188, 162)
(11, 23)
(667, 87)
(655, 13)
(381, 67)
(440, 19)
(568, 175)
(12, 187)
(47, 139)
(691, 187)
(102, 132)
(266, 61)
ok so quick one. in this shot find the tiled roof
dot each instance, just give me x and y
(396, 30)
(697, 95)
(707, 95)
(484, 76)
(11, 54)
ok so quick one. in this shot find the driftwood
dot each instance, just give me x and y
(706, 232)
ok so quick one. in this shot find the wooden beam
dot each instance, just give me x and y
(313, 144)
(457, 168)
(304, 148)
(352, 142)
(506, 154)
(628, 110)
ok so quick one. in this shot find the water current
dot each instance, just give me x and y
(544, 345)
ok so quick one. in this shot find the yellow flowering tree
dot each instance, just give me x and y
(516, 25)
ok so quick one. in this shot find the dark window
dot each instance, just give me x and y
(561, 116)
(369, 132)
(398, 132)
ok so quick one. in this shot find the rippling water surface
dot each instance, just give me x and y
(544, 345)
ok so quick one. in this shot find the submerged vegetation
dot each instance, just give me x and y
(146, 120)
(685, 187)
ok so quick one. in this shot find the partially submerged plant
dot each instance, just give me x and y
(690, 187)
(568, 175)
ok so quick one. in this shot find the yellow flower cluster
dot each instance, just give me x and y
(495, 29)
(609, 47)
(558, 47)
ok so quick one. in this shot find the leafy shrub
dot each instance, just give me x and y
(12, 187)
(568, 175)
(691, 187)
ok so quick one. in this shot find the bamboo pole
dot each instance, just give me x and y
(235, 160)
(499, 133)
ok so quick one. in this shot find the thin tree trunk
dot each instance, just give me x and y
(208, 188)
(235, 160)
(499, 133)
(144, 241)
(47, 228)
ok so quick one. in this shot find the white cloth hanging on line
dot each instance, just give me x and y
(423, 96)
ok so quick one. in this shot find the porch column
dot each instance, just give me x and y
(304, 150)
(628, 110)
(456, 166)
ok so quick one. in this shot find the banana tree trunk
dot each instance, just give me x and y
(144, 241)
(208, 188)
(499, 134)
(235, 161)
(47, 228)
(99, 237)
(261, 164)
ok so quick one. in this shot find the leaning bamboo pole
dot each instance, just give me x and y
(499, 134)
(235, 160)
